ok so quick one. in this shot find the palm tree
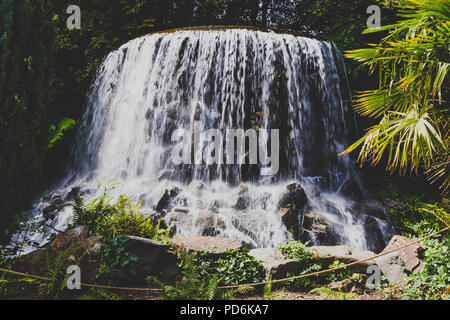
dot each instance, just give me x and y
(410, 104)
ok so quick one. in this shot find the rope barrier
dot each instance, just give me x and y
(242, 285)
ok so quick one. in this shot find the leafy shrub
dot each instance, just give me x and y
(338, 275)
(116, 258)
(295, 250)
(234, 267)
(194, 286)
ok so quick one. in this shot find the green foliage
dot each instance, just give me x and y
(304, 283)
(116, 258)
(338, 275)
(295, 250)
(57, 273)
(119, 219)
(330, 294)
(194, 286)
(410, 103)
(268, 295)
(433, 281)
(95, 294)
(12, 287)
(417, 215)
(58, 132)
(234, 266)
(26, 72)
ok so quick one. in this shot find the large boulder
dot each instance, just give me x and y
(410, 255)
(274, 263)
(397, 265)
(83, 249)
(214, 246)
(392, 267)
(326, 255)
(154, 259)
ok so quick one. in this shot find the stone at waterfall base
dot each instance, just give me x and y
(326, 255)
(214, 246)
(274, 263)
(397, 265)
(154, 258)
(290, 205)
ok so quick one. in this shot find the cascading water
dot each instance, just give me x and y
(219, 79)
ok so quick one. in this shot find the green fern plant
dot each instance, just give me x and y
(96, 294)
(56, 272)
(112, 220)
(268, 295)
(58, 131)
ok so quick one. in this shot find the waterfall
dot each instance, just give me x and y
(219, 79)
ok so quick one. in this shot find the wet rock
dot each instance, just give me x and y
(74, 193)
(243, 201)
(155, 217)
(154, 259)
(55, 203)
(371, 208)
(317, 227)
(173, 110)
(351, 189)
(165, 199)
(290, 206)
(326, 255)
(274, 263)
(373, 234)
(290, 219)
(295, 197)
(215, 246)
(206, 223)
